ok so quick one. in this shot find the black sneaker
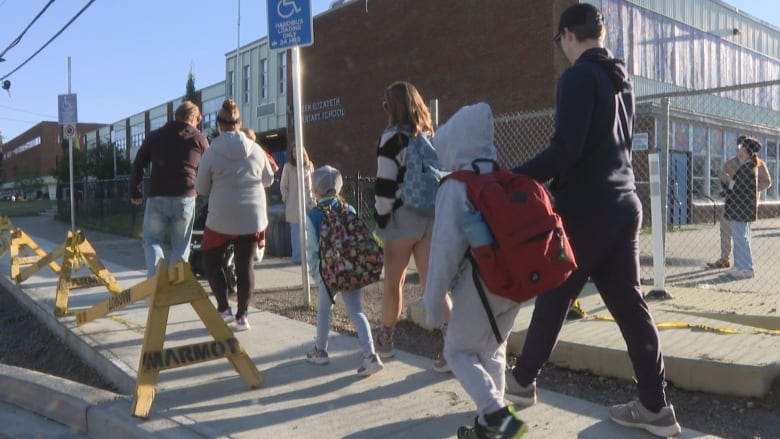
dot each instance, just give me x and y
(502, 424)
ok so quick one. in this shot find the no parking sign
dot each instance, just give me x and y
(69, 131)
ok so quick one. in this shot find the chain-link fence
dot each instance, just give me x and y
(105, 204)
(101, 205)
(695, 134)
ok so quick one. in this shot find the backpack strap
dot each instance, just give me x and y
(476, 168)
(326, 210)
(483, 297)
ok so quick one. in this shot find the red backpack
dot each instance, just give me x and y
(530, 253)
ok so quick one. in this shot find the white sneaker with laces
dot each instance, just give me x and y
(369, 365)
(242, 324)
(317, 356)
(227, 315)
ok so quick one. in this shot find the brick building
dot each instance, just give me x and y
(38, 149)
(456, 52)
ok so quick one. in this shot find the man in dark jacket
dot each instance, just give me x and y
(174, 152)
(589, 163)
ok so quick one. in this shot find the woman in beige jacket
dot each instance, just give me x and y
(289, 189)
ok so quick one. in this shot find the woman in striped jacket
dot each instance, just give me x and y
(404, 231)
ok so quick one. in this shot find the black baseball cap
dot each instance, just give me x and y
(579, 14)
(751, 144)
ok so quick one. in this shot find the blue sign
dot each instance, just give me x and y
(289, 23)
(67, 110)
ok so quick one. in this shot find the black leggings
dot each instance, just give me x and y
(244, 247)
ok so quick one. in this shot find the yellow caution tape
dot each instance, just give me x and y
(577, 308)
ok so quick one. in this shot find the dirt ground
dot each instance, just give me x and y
(729, 417)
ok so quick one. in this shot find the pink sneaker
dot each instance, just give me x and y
(383, 345)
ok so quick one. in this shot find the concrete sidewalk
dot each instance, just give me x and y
(297, 399)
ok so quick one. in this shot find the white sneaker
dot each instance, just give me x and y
(227, 315)
(741, 273)
(242, 324)
(317, 356)
(369, 365)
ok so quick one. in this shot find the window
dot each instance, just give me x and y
(137, 135)
(210, 110)
(263, 79)
(283, 72)
(120, 140)
(247, 83)
(660, 48)
(231, 81)
(716, 160)
(20, 149)
(701, 169)
(157, 122)
(772, 164)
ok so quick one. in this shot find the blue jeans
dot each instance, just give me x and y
(172, 214)
(743, 253)
(295, 242)
(355, 313)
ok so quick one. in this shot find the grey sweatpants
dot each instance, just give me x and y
(471, 349)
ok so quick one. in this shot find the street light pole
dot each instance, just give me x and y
(70, 163)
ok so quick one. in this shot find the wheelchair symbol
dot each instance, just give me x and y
(289, 6)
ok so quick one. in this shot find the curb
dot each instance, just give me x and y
(111, 369)
(50, 396)
(88, 410)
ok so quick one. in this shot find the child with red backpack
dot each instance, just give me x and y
(330, 225)
(476, 357)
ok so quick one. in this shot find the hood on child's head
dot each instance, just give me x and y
(326, 180)
(466, 136)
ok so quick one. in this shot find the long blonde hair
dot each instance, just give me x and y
(292, 157)
(405, 106)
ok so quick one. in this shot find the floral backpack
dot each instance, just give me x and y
(350, 256)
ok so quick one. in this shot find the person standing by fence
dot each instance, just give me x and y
(589, 162)
(174, 151)
(763, 182)
(288, 186)
(741, 207)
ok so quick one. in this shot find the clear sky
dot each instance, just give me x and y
(126, 55)
(130, 55)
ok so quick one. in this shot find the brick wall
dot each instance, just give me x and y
(42, 157)
(458, 52)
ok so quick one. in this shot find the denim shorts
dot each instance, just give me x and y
(406, 223)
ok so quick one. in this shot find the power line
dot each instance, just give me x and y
(24, 111)
(51, 39)
(19, 120)
(19, 38)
